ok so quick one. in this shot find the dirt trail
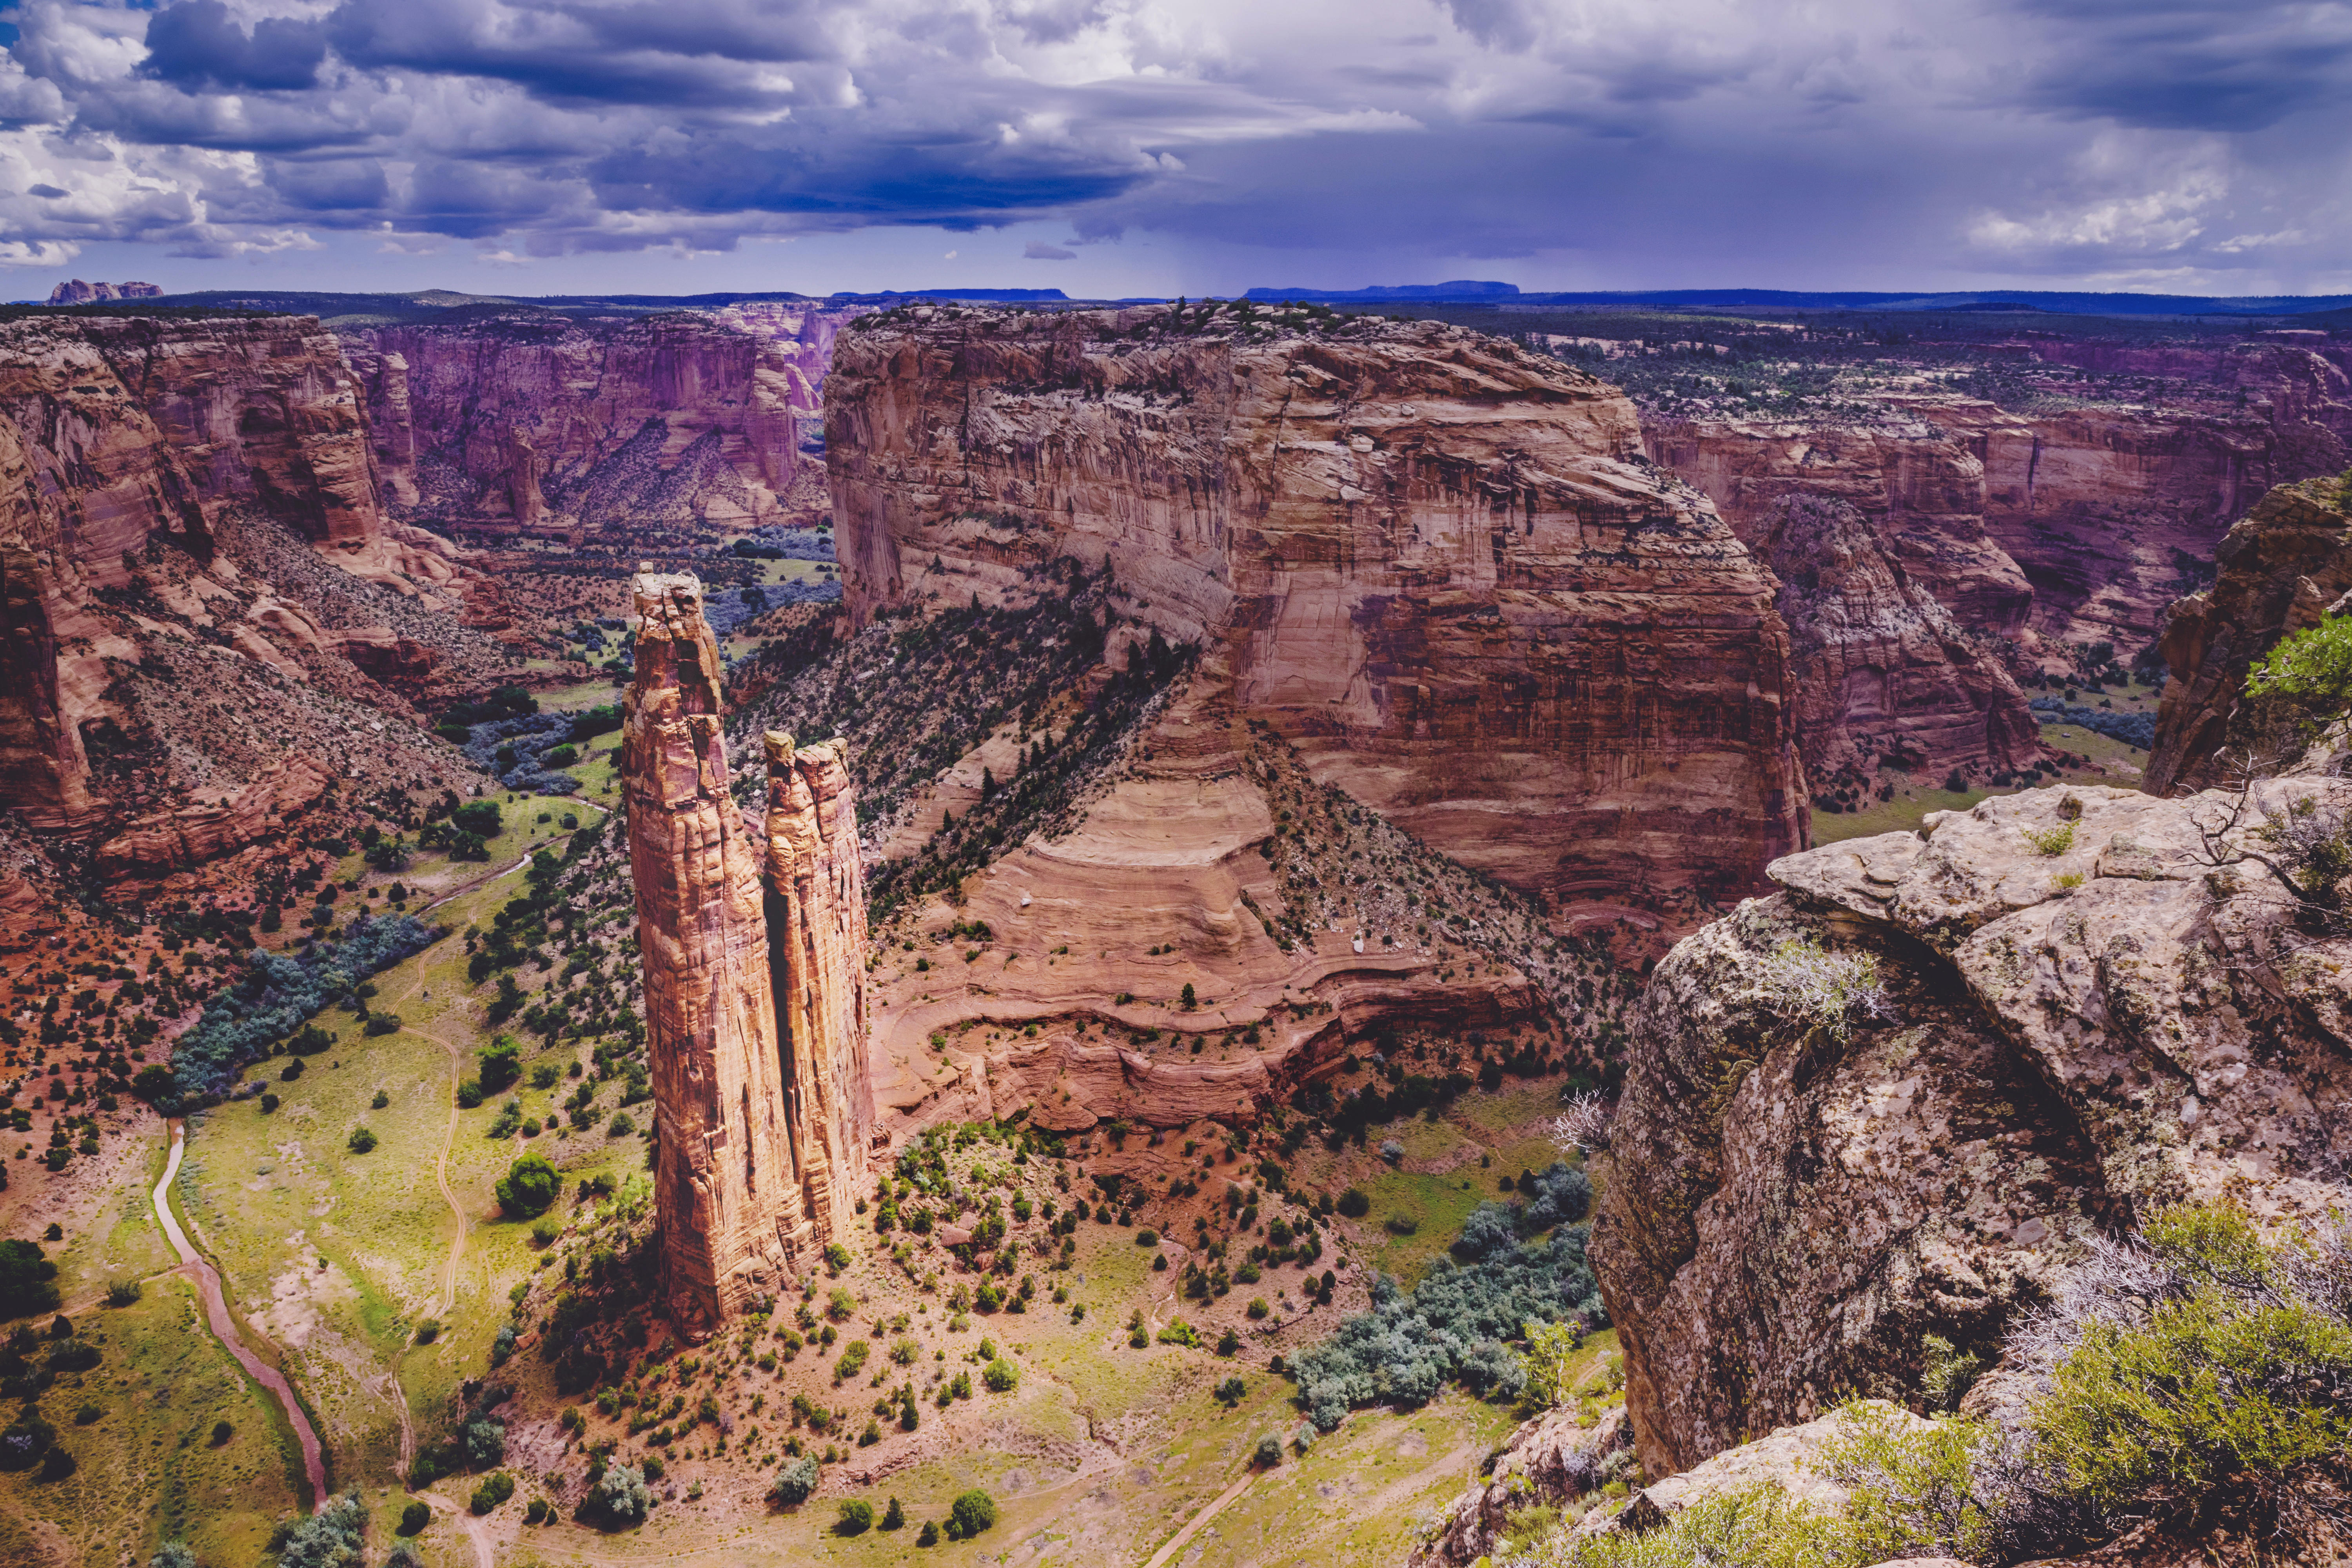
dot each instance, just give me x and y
(1177, 1541)
(223, 1328)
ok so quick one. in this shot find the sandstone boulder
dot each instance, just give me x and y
(2080, 1015)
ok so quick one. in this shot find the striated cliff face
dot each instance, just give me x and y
(2082, 518)
(614, 429)
(1884, 671)
(153, 474)
(2284, 566)
(816, 937)
(763, 1115)
(1437, 563)
(1801, 1185)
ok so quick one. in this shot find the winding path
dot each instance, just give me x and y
(223, 1327)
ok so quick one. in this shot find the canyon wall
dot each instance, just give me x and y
(1437, 563)
(763, 1116)
(619, 429)
(2081, 521)
(1896, 1098)
(2284, 566)
(146, 467)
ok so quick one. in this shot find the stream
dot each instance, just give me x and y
(223, 1327)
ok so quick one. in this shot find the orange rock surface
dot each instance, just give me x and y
(763, 1115)
(1437, 561)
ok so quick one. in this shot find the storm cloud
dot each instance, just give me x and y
(2163, 143)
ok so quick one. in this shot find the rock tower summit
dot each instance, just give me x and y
(763, 1111)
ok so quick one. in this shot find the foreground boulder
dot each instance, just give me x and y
(1894, 1100)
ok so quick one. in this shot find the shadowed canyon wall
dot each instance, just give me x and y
(763, 1115)
(146, 467)
(1436, 562)
(624, 428)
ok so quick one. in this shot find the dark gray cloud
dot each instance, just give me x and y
(2164, 142)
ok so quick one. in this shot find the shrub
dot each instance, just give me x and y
(793, 1483)
(1824, 988)
(1147, 1238)
(381, 1024)
(330, 1537)
(415, 1517)
(469, 1094)
(269, 1102)
(620, 1126)
(1410, 1342)
(2051, 840)
(1354, 1203)
(479, 818)
(123, 1292)
(622, 1496)
(970, 1513)
(494, 1490)
(428, 1331)
(360, 1140)
(1258, 1308)
(1268, 1452)
(26, 1279)
(528, 1187)
(928, 1535)
(856, 1517)
(1001, 1377)
(853, 1361)
(380, 1101)
(172, 1554)
(485, 1444)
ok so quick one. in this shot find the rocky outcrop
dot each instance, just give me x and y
(1437, 561)
(76, 292)
(616, 429)
(1551, 1461)
(2284, 566)
(762, 1126)
(1895, 1099)
(816, 936)
(1884, 671)
(260, 812)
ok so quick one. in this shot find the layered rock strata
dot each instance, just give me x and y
(130, 451)
(1885, 673)
(1435, 561)
(622, 428)
(2082, 1016)
(2284, 567)
(762, 1117)
(816, 935)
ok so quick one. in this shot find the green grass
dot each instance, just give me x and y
(149, 1470)
(1437, 1205)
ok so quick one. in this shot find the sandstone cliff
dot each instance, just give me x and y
(816, 935)
(763, 1115)
(1895, 1098)
(1436, 562)
(2283, 567)
(614, 429)
(2084, 515)
(172, 489)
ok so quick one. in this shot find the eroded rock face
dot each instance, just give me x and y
(1551, 1460)
(2285, 566)
(128, 450)
(816, 935)
(1884, 671)
(763, 1128)
(1437, 563)
(614, 428)
(2085, 1018)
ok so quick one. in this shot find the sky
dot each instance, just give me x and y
(1113, 148)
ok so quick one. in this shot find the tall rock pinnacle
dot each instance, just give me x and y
(728, 1188)
(816, 935)
(755, 997)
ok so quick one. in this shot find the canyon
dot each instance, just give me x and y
(1438, 566)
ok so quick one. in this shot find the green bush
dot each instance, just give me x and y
(622, 1496)
(415, 1517)
(479, 818)
(1268, 1453)
(469, 1094)
(970, 1513)
(494, 1490)
(360, 1140)
(856, 1517)
(528, 1187)
(1354, 1203)
(793, 1483)
(123, 1292)
(1001, 1377)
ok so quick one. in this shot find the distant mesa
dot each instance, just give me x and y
(1460, 288)
(78, 292)
(987, 296)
